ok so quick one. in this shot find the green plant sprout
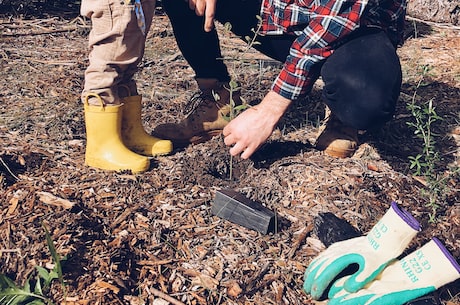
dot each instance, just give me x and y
(424, 163)
(11, 294)
(33, 293)
(234, 84)
(56, 272)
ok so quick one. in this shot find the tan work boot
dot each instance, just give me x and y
(206, 115)
(336, 139)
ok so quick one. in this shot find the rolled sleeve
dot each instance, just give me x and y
(297, 77)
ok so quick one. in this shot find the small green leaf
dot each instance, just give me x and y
(216, 96)
(17, 296)
(6, 282)
(228, 26)
(38, 287)
(233, 85)
(43, 273)
(54, 254)
(240, 108)
(53, 274)
(26, 287)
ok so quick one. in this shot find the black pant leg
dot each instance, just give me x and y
(363, 80)
(201, 49)
(242, 16)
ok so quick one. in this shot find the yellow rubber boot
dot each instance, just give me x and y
(104, 146)
(133, 133)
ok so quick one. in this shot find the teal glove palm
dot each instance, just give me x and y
(386, 240)
(417, 274)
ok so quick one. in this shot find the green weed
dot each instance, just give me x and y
(14, 295)
(35, 288)
(425, 163)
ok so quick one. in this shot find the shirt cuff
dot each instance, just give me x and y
(293, 86)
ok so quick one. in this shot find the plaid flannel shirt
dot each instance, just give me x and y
(318, 24)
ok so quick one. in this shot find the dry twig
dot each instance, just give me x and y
(165, 296)
(307, 230)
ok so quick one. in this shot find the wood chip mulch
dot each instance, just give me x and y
(150, 238)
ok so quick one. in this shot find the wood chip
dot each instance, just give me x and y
(14, 201)
(50, 199)
(233, 289)
(109, 286)
(165, 296)
(300, 239)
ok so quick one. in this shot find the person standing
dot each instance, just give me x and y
(116, 139)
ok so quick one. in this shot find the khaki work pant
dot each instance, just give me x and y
(116, 46)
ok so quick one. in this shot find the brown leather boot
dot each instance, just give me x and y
(206, 115)
(336, 139)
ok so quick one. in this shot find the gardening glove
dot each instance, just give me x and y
(417, 274)
(371, 253)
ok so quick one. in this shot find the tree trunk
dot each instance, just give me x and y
(442, 11)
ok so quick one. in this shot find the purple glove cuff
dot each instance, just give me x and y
(406, 216)
(447, 254)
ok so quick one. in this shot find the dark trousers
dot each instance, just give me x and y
(362, 77)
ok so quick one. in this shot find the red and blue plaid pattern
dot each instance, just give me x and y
(318, 24)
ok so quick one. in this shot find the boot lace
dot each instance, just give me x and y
(197, 99)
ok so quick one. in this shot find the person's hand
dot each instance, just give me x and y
(206, 8)
(371, 253)
(419, 273)
(249, 130)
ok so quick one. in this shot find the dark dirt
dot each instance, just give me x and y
(129, 238)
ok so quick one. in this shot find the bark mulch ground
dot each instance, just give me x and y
(151, 238)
